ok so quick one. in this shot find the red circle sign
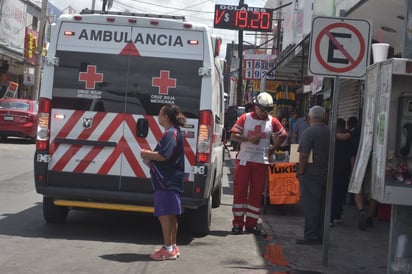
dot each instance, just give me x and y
(353, 61)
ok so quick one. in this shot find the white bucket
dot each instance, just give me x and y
(380, 52)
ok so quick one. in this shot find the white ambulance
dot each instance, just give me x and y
(105, 78)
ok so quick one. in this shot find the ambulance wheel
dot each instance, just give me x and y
(201, 219)
(54, 214)
(217, 196)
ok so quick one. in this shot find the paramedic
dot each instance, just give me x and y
(254, 131)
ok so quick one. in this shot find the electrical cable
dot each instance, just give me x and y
(166, 7)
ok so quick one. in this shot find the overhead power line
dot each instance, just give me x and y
(124, 4)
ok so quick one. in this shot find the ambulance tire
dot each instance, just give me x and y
(217, 196)
(201, 219)
(54, 214)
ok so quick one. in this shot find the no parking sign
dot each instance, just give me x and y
(339, 47)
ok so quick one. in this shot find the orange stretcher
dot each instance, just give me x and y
(283, 184)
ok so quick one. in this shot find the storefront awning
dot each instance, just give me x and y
(293, 62)
(4, 51)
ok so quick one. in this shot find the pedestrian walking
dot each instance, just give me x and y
(166, 163)
(313, 176)
(254, 130)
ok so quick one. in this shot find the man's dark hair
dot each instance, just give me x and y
(352, 122)
(340, 123)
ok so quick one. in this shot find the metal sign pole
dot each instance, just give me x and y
(332, 141)
(240, 70)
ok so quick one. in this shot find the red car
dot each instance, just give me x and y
(18, 118)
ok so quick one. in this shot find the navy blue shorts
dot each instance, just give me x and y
(167, 202)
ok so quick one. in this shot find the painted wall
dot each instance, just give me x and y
(297, 21)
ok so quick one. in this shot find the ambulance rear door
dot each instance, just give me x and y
(164, 69)
(88, 107)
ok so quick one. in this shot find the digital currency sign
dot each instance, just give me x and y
(243, 18)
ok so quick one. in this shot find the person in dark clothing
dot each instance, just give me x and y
(313, 175)
(365, 217)
(341, 173)
(230, 119)
(166, 164)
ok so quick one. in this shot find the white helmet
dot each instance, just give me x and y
(264, 101)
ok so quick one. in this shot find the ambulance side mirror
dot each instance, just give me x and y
(142, 128)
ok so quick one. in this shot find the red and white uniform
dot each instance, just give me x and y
(251, 166)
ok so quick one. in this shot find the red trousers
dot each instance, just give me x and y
(248, 186)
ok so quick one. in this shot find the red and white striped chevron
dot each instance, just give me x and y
(123, 159)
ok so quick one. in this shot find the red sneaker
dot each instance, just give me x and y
(163, 254)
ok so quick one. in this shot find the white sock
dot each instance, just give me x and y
(169, 247)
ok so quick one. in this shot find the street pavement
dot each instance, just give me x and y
(348, 249)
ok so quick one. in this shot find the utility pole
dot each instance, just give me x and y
(240, 56)
(38, 52)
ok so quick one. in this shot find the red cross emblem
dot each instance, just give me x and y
(164, 82)
(257, 132)
(91, 77)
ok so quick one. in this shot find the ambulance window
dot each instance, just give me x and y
(154, 82)
(90, 82)
(126, 84)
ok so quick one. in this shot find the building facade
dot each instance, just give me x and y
(19, 30)
(292, 41)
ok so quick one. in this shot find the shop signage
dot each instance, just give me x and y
(28, 79)
(256, 66)
(339, 47)
(11, 91)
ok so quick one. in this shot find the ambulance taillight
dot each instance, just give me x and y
(204, 142)
(43, 125)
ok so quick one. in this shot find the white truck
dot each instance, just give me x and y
(105, 78)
